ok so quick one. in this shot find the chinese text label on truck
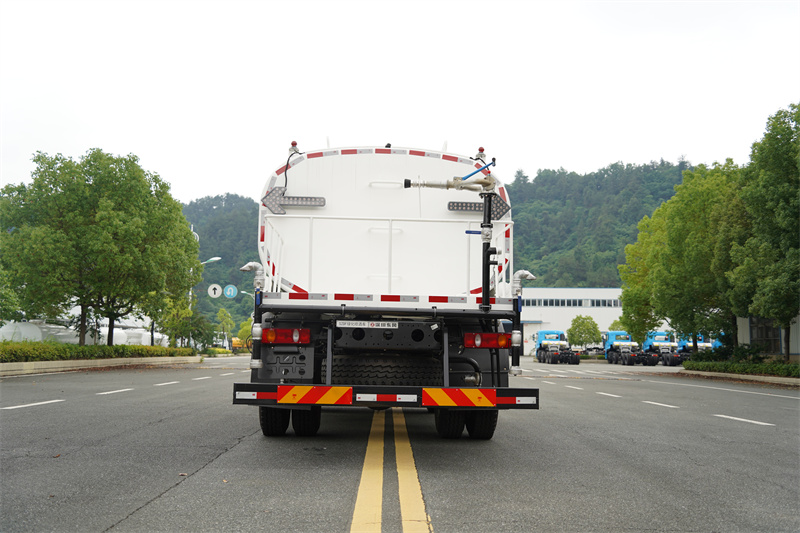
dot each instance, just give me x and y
(385, 281)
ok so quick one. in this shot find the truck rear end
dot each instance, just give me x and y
(384, 281)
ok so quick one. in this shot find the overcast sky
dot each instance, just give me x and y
(210, 94)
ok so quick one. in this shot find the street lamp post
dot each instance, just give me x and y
(190, 288)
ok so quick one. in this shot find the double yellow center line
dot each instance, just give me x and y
(367, 513)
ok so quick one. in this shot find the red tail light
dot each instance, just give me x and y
(487, 340)
(286, 336)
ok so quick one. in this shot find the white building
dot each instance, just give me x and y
(554, 308)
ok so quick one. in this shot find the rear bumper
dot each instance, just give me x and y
(384, 396)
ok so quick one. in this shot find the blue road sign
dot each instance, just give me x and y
(231, 291)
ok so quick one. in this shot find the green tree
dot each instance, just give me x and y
(100, 233)
(224, 323)
(42, 237)
(638, 313)
(616, 326)
(244, 329)
(9, 304)
(677, 268)
(584, 331)
(767, 265)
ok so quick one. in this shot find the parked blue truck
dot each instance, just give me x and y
(620, 348)
(663, 345)
(553, 347)
(703, 343)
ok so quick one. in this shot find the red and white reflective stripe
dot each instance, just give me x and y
(397, 398)
(516, 400)
(381, 299)
(398, 298)
(252, 395)
(292, 163)
(353, 297)
(502, 191)
(394, 151)
(485, 171)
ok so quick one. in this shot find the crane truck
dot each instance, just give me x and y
(385, 280)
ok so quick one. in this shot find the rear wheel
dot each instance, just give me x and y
(306, 422)
(481, 424)
(449, 424)
(274, 421)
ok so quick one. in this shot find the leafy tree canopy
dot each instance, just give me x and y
(100, 233)
(583, 331)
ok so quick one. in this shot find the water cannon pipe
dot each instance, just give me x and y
(476, 184)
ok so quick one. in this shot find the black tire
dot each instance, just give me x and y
(449, 424)
(274, 422)
(481, 424)
(306, 422)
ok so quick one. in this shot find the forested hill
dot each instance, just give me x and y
(227, 227)
(570, 230)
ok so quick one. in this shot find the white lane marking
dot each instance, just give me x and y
(662, 405)
(745, 420)
(33, 404)
(112, 392)
(607, 394)
(576, 371)
(724, 389)
(548, 382)
(228, 374)
(571, 387)
(166, 383)
(540, 370)
(245, 371)
(198, 379)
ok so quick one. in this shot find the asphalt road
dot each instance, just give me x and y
(611, 449)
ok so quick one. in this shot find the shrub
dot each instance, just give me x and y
(211, 352)
(22, 352)
(789, 370)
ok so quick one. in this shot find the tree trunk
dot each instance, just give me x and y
(110, 340)
(786, 331)
(82, 327)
